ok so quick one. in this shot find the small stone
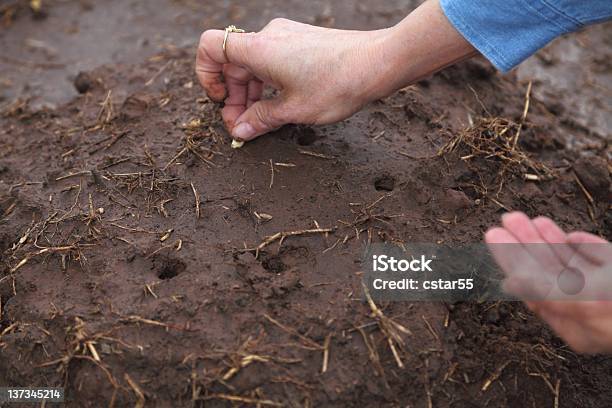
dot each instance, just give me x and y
(457, 200)
(83, 82)
(237, 144)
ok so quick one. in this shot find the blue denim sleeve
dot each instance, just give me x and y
(506, 32)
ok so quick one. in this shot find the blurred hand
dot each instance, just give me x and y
(323, 75)
(566, 279)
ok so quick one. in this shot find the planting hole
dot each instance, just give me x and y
(171, 268)
(384, 183)
(306, 137)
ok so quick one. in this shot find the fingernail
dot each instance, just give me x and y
(243, 131)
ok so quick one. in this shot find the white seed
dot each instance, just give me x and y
(237, 144)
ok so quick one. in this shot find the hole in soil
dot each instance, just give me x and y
(306, 137)
(273, 264)
(384, 183)
(171, 268)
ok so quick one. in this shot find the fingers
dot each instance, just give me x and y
(255, 92)
(237, 80)
(519, 225)
(504, 246)
(570, 329)
(210, 59)
(556, 237)
(518, 265)
(548, 230)
(595, 249)
(261, 117)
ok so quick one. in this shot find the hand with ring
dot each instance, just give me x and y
(322, 75)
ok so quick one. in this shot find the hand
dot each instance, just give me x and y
(322, 75)
(565, 278)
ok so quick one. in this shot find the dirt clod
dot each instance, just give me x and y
(83, 82)
(594, 174)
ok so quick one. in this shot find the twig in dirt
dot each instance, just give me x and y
(197, 201)
(326, 353)
(80, 173)
(158, 73)
(544, 378)
(589, 198)
(369, 207)
(313, 154)
(149, 289)
(373, 355)
(482, 105)
(492, 140)
(557, 391)
(333, 246)
(137, 390)
(189, 144)
(138, 319)
(93, 351)
(162, 208)
(243, 400)
(496, 374)
(282, 235)
(175, 158)
(166, 235)
(310, 343)
(430, 328)
(9, 329)
(139, 230)
(40, 252)
(525, 111)
(390, 329)
(107, 110)
(177, 244)
(271, 174)
(112, 141)
(244, 362)
(584, 190)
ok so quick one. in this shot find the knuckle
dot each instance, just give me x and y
(206, 37)
(277, 22)
(267, 116)
(263, 115)
(255, 42)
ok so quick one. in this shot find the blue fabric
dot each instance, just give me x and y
(506, 32)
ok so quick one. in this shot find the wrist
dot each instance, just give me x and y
(418, 46)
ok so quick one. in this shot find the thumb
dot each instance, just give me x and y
(261, 117)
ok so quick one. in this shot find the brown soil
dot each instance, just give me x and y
(128, 228)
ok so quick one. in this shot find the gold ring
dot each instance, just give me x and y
(228, 30)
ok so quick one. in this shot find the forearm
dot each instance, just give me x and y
(420, 45)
